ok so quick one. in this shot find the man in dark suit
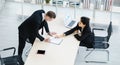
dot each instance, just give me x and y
(29, 29)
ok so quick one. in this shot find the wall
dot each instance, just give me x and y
(2, 2)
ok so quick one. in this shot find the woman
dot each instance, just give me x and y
(83, 33)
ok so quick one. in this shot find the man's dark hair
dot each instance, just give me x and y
(51, 14)
(85, 20)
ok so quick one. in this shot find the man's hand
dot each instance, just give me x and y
(52, 33)
(59, 36)
(47, 40)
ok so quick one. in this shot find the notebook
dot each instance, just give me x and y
(56, 41)
(69, 22)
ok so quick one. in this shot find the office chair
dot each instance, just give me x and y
(101, 37)
(100, 44)
(11, 60)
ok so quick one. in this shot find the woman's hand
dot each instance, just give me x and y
(52, 33)
(59, 36)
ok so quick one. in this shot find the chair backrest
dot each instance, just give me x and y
(109, 30)
(93, 38)
(99, 44)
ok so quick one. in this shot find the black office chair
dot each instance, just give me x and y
(100, 44)
(109, 32)
(12, 60)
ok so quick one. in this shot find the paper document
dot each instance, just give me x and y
(56, 41)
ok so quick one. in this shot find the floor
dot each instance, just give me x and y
(11, 16)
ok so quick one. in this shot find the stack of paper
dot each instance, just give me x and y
(56, 41)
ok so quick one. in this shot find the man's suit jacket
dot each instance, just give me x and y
(30, 27)
(86, 39)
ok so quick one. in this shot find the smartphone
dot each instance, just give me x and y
(41, 52)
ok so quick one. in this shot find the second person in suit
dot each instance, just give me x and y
(82, 33)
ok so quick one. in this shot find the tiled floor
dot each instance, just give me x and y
(10, 19)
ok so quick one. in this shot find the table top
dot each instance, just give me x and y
(63, 54)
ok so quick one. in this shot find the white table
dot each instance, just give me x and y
(63, 54)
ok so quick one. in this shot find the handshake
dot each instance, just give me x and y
(53, 34)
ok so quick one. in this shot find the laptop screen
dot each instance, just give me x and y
(71, 23)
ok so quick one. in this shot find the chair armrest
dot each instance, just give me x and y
(101, 44)
(10, 49)
(97, 29)
(101, 41)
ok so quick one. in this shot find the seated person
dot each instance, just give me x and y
(85, 37)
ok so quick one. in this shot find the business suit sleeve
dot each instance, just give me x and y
(71, 31)
(37, 33)
(38, 19)
(37, 23)
(80, 38)
(46, 26)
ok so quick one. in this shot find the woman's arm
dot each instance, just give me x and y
(80, 38)
(70, 31)
(85, 33)
(67, 32)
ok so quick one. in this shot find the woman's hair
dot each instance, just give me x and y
(85, 20)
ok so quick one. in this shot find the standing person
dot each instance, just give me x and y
(83, 33)
(29, 29)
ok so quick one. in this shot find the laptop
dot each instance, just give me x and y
(70, 23)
